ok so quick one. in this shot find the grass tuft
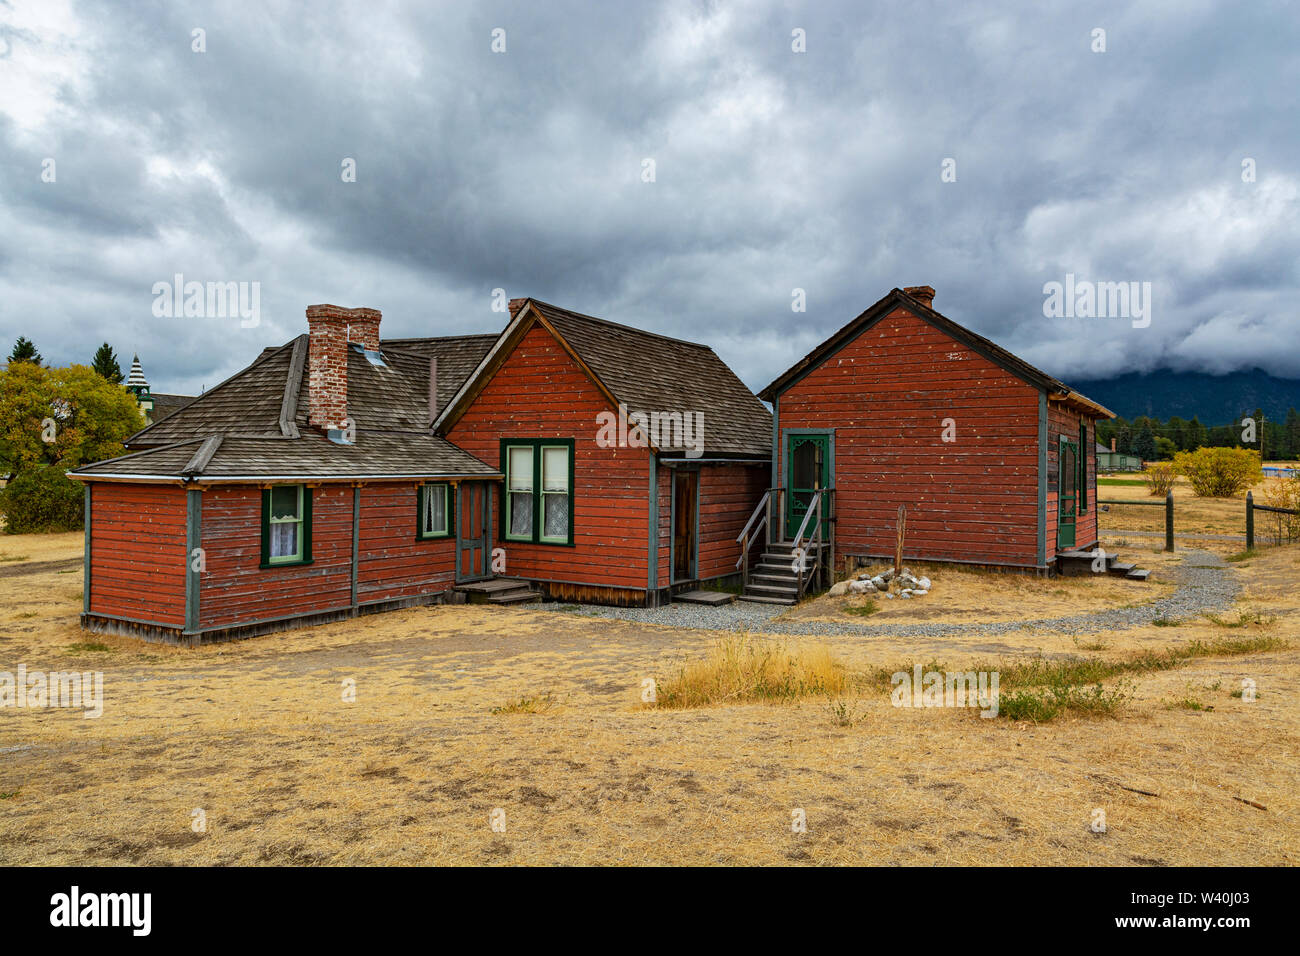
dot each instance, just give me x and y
(1042, 689)
(1244, 618)
(845, 713)
(743, 670)
(528, 705)
(1041, 704)
(863, 610)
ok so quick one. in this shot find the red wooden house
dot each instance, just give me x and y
(340, 474)
(993, 458)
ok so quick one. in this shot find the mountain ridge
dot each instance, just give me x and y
(1214, 399)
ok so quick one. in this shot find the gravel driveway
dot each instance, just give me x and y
(1205, 583)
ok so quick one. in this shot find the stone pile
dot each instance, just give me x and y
(904, 585)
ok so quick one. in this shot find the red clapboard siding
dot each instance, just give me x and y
(540, 392)
(235, 589)
(886, 395)
(137, 552)
(393, 563)
(728, 495)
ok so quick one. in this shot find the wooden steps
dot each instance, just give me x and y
(1084, 562)
(773, 580)
(710, 598)
(499, 591)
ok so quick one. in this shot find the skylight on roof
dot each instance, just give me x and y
(374, 358)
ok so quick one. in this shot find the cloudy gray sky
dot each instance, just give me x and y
(774, 170)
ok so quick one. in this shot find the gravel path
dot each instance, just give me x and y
(1205, 583)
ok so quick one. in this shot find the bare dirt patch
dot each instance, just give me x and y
(967, 596)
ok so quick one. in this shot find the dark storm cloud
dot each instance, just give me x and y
(775, 170)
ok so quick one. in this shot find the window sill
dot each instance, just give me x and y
(547, 544)
(270, 566)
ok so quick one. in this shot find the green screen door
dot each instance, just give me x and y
(1067, 494)
(809, 470)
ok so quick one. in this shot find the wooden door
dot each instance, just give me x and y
(686, 489)
(808, 471)
(473, 515)
(1067, 493)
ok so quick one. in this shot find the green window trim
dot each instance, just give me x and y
(1084, 449)
(536, 491)
(449, 510)
(304, 521)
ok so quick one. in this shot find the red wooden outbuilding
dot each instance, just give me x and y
(993, 459)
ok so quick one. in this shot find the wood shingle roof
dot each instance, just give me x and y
(255, 423)
(648, 373)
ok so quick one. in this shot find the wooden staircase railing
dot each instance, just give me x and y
(765, 527)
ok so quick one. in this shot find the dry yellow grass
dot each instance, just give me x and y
(1192, 515)
(966, 596)
(745, 669)
(257, 734)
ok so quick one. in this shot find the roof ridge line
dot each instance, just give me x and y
(265, 357)
(441, 338)
(293, 387)
(620, 325)
(133, 454)
(200, 459)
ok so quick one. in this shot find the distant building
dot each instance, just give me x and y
(1108, 459)
(155, 405)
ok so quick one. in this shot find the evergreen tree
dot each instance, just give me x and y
(105, 363)
(1176, 431)
(1291, 434)
(1123, 437)
(1197, 434)
(1144, 443)
(24, 351)
(1261, 434)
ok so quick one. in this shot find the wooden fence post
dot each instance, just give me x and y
(1169, 520)
(1250, 521)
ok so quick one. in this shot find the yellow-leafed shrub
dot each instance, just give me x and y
(1160, 477)
(1219, 472)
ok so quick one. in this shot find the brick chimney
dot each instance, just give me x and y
(515, 306)
(330, 328)
(1112, 444)
(922, 293)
